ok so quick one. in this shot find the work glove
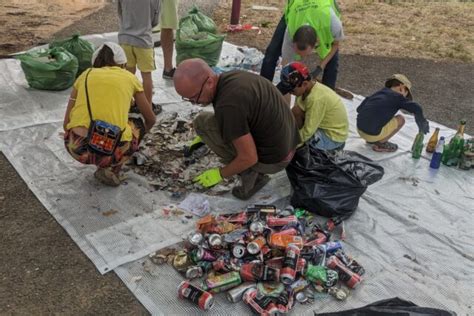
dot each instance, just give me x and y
(195, 144)
(209, 178)
(316, 72)
(424, 127)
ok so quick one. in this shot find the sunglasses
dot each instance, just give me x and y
(194, 100)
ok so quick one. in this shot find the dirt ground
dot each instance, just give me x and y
(44, 272)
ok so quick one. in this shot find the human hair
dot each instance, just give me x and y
(305, 36)
(393, 83)
(105, 58)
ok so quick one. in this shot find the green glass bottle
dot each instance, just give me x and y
(454, 149)
(417, 147)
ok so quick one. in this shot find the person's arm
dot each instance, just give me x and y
(416, 109)
(246, 156)
(298, 114)
(70, 105)
(155, 14)
(332, 52)
(312, 119)
(145, 109)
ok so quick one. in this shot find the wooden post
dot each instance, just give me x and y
(235, 16)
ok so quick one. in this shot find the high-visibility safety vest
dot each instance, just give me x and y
(315, 13)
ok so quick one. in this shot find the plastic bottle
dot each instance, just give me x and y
(417, 147)
(430, 148)
(436, 159)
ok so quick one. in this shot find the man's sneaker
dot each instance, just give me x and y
(168, 74)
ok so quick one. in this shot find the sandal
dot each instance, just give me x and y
(387, 147)
(240, 193)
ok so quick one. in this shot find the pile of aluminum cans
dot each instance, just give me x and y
(269, 258)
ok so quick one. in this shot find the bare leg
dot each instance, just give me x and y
(401, 122)
(148, 85)
(166, 37)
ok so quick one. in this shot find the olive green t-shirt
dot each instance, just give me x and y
(248, 103)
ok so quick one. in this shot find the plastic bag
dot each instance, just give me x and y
(197, 38)
(49, 69)
(392, 306)
(330, 183)
(80, 48)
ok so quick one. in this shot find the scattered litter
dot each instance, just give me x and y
(264, 8)
(136, 279)
(245, 27)
(196, 204)
(161, 160)
(109, 212)
(413, 217)
(413, 180)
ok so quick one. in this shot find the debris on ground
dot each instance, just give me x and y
(414, 180)
(161, 160)
(109, 212)
(269, 258)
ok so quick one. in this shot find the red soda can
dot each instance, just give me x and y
(351, 279)
(251, 272)
(274, 221)
(290, 232)
(202, 298)
(259, 306)
(288, 272)
(220, 265)
(301, 265)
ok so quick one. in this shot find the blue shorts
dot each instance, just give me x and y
(321, 141)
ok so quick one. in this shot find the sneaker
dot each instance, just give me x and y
(168, 74)
(387, 147)
(107, 177)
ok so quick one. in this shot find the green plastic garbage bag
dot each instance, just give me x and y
(197, 38)
(80, 48)
(49, 69)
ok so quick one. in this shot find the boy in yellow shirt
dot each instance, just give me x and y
(319, 112)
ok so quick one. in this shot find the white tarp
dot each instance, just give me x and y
(415, 241)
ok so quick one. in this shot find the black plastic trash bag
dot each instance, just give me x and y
(49, 69)
(197, 38)
(80, 48)
(330, 183)
(392, 306)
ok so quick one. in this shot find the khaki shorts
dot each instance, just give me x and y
(142, 58)
(169, 14)
(388, 129)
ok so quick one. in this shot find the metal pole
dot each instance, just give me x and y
(235, 16)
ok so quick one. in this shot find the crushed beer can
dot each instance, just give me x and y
(236, 294)
(222, 282)
(201, 298)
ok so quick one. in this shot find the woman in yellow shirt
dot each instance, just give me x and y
(111, 89)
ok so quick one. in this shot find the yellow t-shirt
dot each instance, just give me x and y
(323, 109)
(110, 92)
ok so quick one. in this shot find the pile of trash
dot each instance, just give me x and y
(161, 159)
(267, 257)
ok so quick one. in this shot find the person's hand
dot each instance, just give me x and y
(316, 72)
(209, 178)
(195, 144)
(424, 127)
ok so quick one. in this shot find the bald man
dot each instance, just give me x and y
(252, 129)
